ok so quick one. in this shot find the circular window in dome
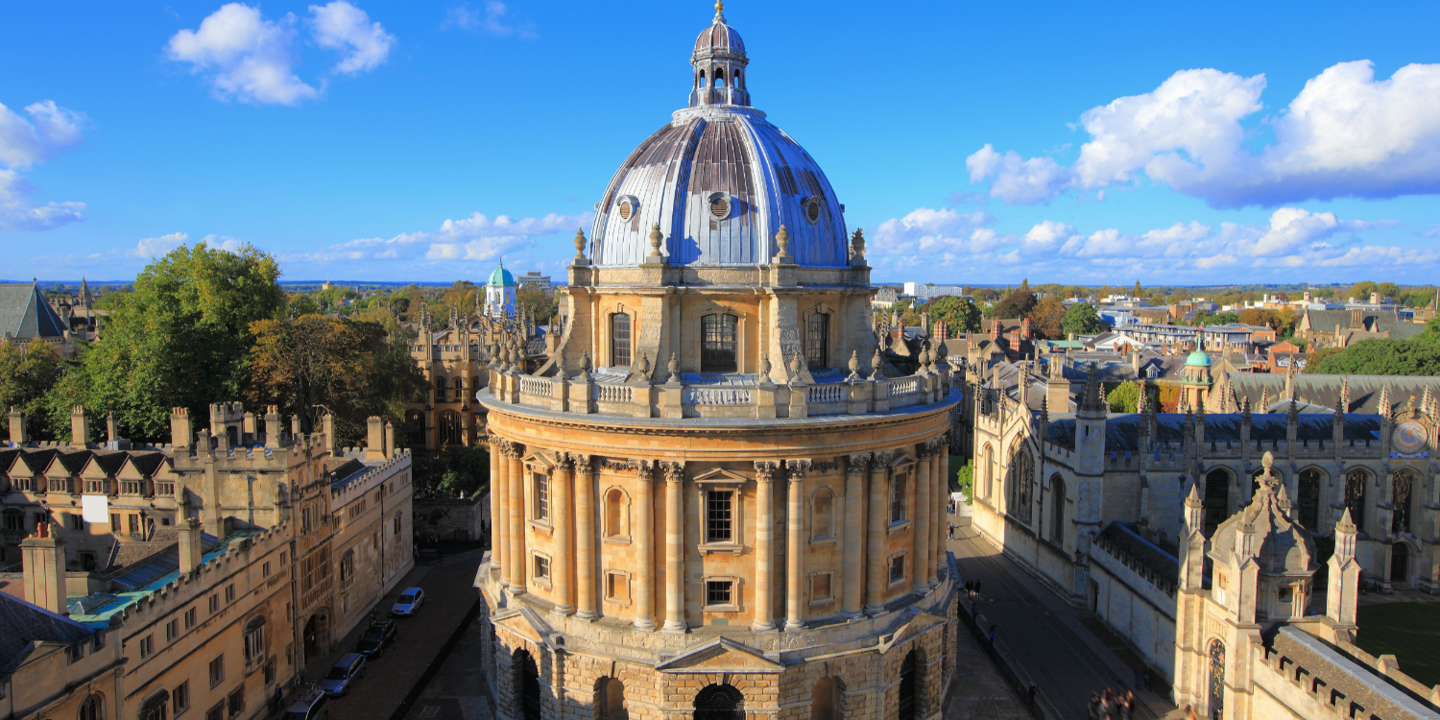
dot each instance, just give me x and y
(626, 206)
(719, 206)
(812, 209)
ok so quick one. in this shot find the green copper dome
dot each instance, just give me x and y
(501, 277)
(1197, 359)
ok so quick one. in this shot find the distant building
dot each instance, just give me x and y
(885, 296)
(924, 292)
(500, 293)
(537, 280)
(26, 315)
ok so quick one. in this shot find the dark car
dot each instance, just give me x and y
(312, 705)
(376, 638)
(343, 674)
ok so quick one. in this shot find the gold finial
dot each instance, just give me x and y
(720, 10)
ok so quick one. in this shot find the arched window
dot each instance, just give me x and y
(610, 699)
(441, 385)
(617, 517)
(910, 700)
(988, 470)
(701, 80)
(719, 78)
(822, 514)
(255, 628)
(719, 702)
(1216, 709)
(817, 340)
(826, 699)
(93, 708)
(620, 340)
(347, 567)
(717, 343)
(1018, 482)
(415, 429)
(1356, 482)
(527, 684)
(1402, 486)
(735, 80)
(1057, 509)
(1216, 499)
(1307, 499)
(449, 428)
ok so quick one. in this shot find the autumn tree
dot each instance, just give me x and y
(314, 364)
(1017, 304)
(1047, 318)
(534, 302)
(959, 313)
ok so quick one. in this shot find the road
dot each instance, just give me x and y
(1048, 637)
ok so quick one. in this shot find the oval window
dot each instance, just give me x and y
(720, 207)
(625, 210)
(812, 210)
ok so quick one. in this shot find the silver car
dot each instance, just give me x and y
(408, 602)
(343, 673)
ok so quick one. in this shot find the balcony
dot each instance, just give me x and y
(719, 395)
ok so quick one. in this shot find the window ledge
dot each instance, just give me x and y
(824, 540)
(720, 609)
(540, 582)
(901, 526)
(542, 526)
(823, 601)
(730, 547)
(617, 601)
(616, 539)
(897, 583)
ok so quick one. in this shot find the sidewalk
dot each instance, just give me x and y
(1046, 634)
(449, 596)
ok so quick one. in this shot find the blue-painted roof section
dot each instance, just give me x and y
(146, 579)
(1122, 432)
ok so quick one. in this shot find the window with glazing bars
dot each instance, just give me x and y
(719, 592)
(620, 340)
(817, 340)
(897, 499)
(717, 343)
(542, 497)
(719, 516)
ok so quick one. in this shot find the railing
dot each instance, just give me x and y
(717, 396)
(614, 393)
(827, 393)
(904, 386)
(535, 386)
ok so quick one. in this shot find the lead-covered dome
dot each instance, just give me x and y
(719, 180)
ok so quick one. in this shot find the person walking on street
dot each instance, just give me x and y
(1094, 709)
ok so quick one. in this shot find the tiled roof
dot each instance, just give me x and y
(23, 624)
(25, 314)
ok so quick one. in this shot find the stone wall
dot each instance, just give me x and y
(454, 518)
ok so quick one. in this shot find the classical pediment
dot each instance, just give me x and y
(721, 476)
(902, 459)
(721, 656)
(539, 461)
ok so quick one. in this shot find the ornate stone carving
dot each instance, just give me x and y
(882, 459)
(765, 470)
(584, 464)
(563, 460)
(857, 464)
(674, 471)
(825, 466)
(797, 469)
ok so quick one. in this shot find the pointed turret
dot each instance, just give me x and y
(1345, 394)
(1343, 584)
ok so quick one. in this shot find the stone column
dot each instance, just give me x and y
(854, 571)
(674, 548)
(585, 538)
(498, 517)
(564, 499)
(919, 574)
(644, 509)
(941, 458)
(515, 564)
(795, 530)
(876, 577)
(764, 546)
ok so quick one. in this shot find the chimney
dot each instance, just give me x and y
(247, 427)
(181, 429)
(18, 438)
(389, 441)
(925, 323)
(1025, 328)
(45, 569)
(995, 329)
(79, 428)
(374, 439)
(294, 428)
(1375, 298)
(327, 424)
(273, 427)
(191, 551)
(1357, 319)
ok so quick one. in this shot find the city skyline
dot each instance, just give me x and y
(314, 132)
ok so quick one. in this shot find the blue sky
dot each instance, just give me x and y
(974, 142)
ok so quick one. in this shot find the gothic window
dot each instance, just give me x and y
(717, 343)
(822, 514)
(620, 340)
(1019, 481)
(1356, 482)
(1402, 491)
(897, 499)
(347, 568)
(719, 516)
(93, 708)
(440, 386)
(1057, 509)
(449, 428)
(1216, 501)
(1308, 498)
(988, 470)
(1217, 680)
(415, 429)
(540, 497)
(255, 637)
(817, 340)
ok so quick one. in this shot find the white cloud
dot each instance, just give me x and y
(927, 230)
(1344, 135)
(495, 20)
(51, 130)
(248, 56)
(475, 238)
(19, 212)
(342, 26)
(155, 247)
(1047, 235)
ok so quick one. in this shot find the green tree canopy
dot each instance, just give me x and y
(1017, 304)
(959, 313)
(534, 301)
(1125, 398)
(26, 375)
(1419, 355)
(180, 339)
(1082, 319)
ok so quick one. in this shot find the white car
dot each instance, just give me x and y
(408, 602)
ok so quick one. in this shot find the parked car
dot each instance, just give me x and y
(343, 674)
(313, 705)
(409, 601)
(376, 638)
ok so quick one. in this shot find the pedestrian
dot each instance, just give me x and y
(1094, 709)
(278, 700)
(1190, 713)
(1032, 692)
(1127, 706)
(992, 635)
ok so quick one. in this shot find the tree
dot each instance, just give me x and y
(1017, 304)
(959, 313)
(26, 375)
(966, 477)
(314, 364)
(1081, 319)
(180, 339)
(1419, 355)
(536, 303)
(1137, 289)
(1125, 398)
(1048, 317)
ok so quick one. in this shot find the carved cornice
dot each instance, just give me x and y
(584, 464)
(674, 471)
(797, 469)
(857, 464)
(765, 470)
(563, 460)
(882, 459)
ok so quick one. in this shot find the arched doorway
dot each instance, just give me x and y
(1216, 500)
(909, 702)
(719, 702)
(527, 684)
(825, 699)
(1217, 680)
(1399, 563)
(1308, 500)
(315, 629)
(610, 699)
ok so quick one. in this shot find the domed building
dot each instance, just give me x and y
(715, 497)
(500, 293)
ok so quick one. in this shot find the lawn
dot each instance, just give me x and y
(1409, 631)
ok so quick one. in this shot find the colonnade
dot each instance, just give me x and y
(864, 580)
